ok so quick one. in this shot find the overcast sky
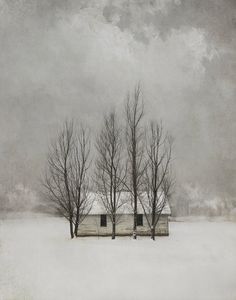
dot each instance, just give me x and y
(64, 58)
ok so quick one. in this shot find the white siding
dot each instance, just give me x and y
(91, 226)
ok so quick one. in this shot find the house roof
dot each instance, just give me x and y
(98, 207)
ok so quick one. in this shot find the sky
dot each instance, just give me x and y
(77, 59)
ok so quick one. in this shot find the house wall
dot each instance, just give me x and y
(91, 226)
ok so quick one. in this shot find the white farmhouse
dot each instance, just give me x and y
(98, 223)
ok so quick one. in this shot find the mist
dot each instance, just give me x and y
(76, 59)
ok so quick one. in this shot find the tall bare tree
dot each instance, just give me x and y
(110, 170)
(57, 178)
(158, 181)
(79, 176)
(134, 111)
(66, 176)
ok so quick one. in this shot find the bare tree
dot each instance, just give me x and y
(57, 178)
(110, 170)
(66, 176)
(158, 181)
(79, 177)
(134, 111)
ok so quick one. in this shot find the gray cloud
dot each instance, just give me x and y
(76, 58)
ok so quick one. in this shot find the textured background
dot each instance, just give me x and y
(62, 59)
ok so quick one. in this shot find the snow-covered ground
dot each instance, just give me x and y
(39, 261)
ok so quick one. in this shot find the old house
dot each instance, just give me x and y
(98, 222)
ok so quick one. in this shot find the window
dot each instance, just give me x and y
(139, 220)
(103, 220)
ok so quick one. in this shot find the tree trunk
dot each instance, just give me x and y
(135, 221)
(153, 233)
(76, 229)
(153, 220)
(113, 230)
(76, 224)
(71, 229)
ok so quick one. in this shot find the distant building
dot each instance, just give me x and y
(98, 222)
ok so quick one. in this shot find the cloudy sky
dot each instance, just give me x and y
(64, 58)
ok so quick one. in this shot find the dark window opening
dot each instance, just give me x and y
(103, 221)
(139, 220)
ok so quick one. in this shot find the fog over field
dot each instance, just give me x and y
(62, 59)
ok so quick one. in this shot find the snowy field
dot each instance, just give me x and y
(39, 261)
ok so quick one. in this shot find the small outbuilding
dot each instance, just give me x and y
(98, 223)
